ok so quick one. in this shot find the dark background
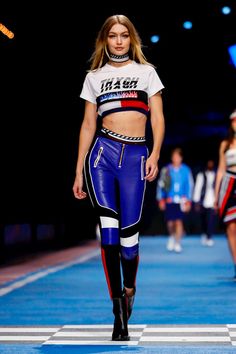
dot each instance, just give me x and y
(42, 70)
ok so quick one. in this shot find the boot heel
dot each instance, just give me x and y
(120, 329)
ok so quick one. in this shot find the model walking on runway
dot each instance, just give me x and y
(225, 188)
(121, 91)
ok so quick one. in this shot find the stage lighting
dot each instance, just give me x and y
(155, 38)
(232, 53)
(187, 25)
(226, 10)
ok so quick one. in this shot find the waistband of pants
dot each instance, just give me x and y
(121, 138)
(231, 173)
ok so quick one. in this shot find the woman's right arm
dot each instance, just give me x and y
(220, 170)
(87, 132)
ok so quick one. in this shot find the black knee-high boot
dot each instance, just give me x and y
(130, 267)
(120, 329)
(129, 302)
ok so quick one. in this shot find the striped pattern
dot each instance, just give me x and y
(130, 241)
(119, 58)
(230, 214)
(224, 335)
(109, 222)
(121, 137)
(226, 212)
(112, 102)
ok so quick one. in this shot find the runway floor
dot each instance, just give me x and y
(58, 302)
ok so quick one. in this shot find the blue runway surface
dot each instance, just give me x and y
(193, 289)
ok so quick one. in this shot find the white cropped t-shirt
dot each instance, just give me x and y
(230, 156)
(123, 88)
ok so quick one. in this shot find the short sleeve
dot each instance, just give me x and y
(154, 85)
(87, 92)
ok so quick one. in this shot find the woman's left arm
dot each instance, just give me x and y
(158, 131)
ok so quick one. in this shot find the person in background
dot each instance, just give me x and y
(174, 196)
(122, 90)
(225, 186)
(204, 201)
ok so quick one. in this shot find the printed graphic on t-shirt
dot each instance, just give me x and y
(119, 83)
(123, 100)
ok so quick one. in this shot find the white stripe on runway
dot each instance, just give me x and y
(214, 339)
(92, 334)
(28, 329)
(143, 335)
(40, 274)
(185, 329)
(131, 326)
(23, 338)
(95, 342)
(232, 334)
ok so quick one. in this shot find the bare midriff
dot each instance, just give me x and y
(130, 123)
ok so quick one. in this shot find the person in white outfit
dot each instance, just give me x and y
(204, 199)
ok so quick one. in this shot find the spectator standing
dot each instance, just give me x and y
(204, 199)
(174, 196)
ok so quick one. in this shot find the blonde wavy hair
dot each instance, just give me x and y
(100, 55)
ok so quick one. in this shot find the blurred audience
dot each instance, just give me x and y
(174, 197)
(204, 199)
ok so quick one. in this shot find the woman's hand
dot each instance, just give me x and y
(216, 207)
(78, 187)
(151, 169)
(162, 204)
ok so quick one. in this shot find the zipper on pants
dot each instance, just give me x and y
(142, 167)
(121, 155)
(98, 156)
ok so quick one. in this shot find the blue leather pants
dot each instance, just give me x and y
(114, 173)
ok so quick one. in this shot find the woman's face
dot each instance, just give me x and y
(118, 40)
(176, 158)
